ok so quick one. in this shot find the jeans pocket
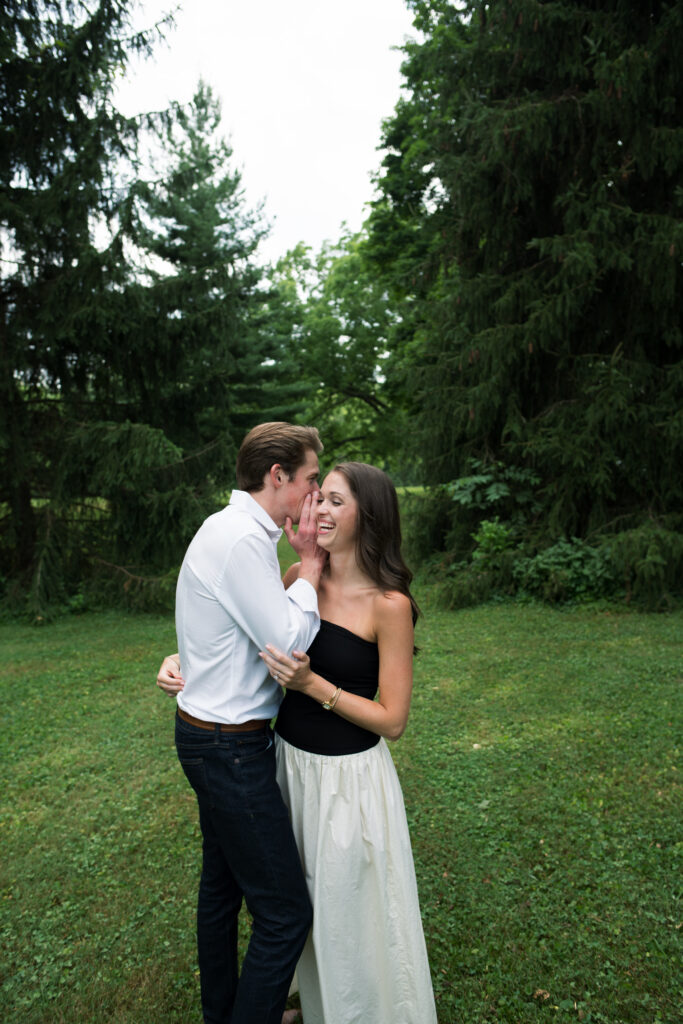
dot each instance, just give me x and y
(195, 773)
(250, 748)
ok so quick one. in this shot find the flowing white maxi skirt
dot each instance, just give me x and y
(365, 960)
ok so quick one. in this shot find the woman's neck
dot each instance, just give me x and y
(344, 571)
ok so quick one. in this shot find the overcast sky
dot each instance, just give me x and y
(304, 86)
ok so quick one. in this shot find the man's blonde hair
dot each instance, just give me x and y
(271, 443)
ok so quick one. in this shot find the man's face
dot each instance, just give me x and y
(293, 492)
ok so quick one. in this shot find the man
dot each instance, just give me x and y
(230, 602)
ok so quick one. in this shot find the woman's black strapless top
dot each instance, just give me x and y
(349, 661)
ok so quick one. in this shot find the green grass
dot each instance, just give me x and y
(286, 554)
(541, 783)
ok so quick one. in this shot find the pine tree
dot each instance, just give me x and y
(531, 216)
(202, 293)
(199, 367)
(60, 141)
(128, 356)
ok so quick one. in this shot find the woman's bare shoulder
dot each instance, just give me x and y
(392, 609)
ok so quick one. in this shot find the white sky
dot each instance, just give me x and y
(304, 86)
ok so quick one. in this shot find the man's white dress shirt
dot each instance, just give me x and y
(230, 603)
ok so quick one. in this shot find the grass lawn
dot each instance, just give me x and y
(541, 782)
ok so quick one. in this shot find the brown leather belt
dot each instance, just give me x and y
(251, 726)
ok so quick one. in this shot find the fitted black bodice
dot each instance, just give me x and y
(349, 661)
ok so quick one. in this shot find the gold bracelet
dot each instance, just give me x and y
(336, 697)
(329, 704)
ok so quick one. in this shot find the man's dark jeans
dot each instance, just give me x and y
(248, 851)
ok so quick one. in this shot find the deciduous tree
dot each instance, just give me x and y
(341, 327)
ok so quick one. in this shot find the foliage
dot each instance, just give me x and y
(529, 220)
(199, 293)
(539, 775)
(648, 561)
(495, 486)
(493, 539)
(131, 361)
(426, 523)
(642, 567)
(509, 491)
(340, 323)
(501, 557)
(61, 295)
(464, 584)
(569, 570)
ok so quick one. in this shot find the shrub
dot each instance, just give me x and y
(569, 570)
(471, 559)
(465, 585)
(649, 561)
(493, 486)
(493, 539)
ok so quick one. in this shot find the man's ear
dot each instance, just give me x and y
(276, 475)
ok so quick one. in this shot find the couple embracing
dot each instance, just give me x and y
(308, 825)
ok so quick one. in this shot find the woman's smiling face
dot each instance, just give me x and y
(337, 513)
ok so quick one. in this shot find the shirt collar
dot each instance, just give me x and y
(244, 500)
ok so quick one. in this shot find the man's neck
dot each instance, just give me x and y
(266, 500)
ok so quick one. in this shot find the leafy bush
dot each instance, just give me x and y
(450, 517)
(649, 561)
(460, 584)
(569, 570)
(464, 585)
(493, 486)
(116, 586)
(472, 559)
(495, 507)
(493, 540)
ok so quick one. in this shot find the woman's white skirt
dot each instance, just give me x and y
(365, 961)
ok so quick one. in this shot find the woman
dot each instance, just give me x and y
(365, 959)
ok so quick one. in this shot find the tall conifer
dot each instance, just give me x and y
(60, 140)
(531, 211)
(196, 365)
(127, 359)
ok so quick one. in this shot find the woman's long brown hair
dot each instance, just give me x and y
(378, 541)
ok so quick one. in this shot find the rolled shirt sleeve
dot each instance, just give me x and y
(251, 592)
(230, 603)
